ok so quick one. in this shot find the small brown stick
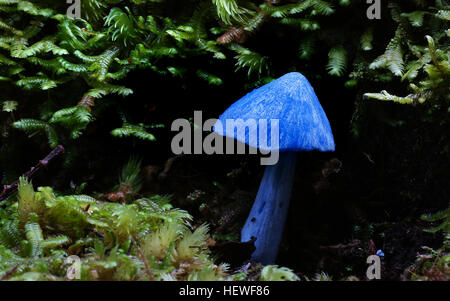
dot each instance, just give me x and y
(144, 260)
(87, 101)
(9, 272)
(240, 34)
(342, 246)
(368, 158)
(85, 209)
(10, 189)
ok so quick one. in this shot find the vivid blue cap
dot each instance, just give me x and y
(290, 99)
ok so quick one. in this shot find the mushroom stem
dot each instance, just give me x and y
(268, 215)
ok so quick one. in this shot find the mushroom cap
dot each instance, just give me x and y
(290, 99)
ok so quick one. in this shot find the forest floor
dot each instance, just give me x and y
(325, 233)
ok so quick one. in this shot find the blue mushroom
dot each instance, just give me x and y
(303, 126)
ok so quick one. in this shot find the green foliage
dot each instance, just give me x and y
(251, 60)
(28, 202)
(146, 239)
(92, 55)
(229, 10)
(137, 131)
(425, 67)
(275, 273)
(367, 39)
(130, 179)
(337, 61)
(210, 78)
(322, 277)
(444, 218)
(122, 26)
(315, 7)
(433, 265)
(392, 59)
(51, 222)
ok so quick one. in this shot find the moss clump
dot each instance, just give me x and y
(48, 237)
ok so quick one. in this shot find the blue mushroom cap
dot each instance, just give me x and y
(290, 99)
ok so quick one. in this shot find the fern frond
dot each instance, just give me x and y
(131, 174)
(192, 243)
(52, 136)
(157, 244)
(133, 130)
(304, 24)
(105, 89)
(71, 115)
(283, 11)
(337, 61)
(32, 125)
(33, 9)
(54, 242)
(229, 10)
(256, 21)
(64, 214)
(37, 82)
(27, 202)
(103, 62)
(34, 235)
(251, 60)
(93, 9)
(415, 17)
(74, 118)
(126, 221)
(322, 7)
(72, 35)
(78, 68)
(10, 234)
(122, 26)
(366, 39)
(414, 67)
(392, 58)
(437, 216)
(306, 48)
(122, 73)
(17, 45)
(52, 65)
(210, 78)
(7, 27)
(443, 217)
(41, 47)
(8, 2)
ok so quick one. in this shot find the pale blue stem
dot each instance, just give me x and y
(268, 215)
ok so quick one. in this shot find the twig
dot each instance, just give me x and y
(342, 246)
(144, 260)
(9, 272)
(10, 189)
(240, 34)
